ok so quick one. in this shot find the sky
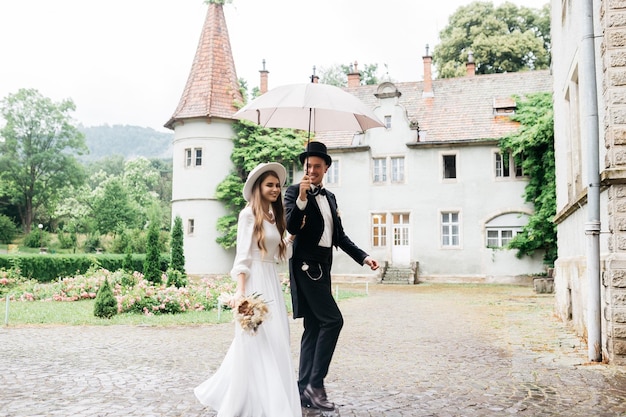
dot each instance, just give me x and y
(127, 61)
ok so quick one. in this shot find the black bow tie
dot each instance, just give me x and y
(318, 190)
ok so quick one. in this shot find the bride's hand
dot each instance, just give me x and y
(235, 299)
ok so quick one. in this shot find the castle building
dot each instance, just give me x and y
(430, 195)
(203, 133)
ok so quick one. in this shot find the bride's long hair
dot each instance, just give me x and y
(279, 215)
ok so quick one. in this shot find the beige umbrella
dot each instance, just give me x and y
(310, 106)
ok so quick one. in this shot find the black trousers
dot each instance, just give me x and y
(322, 322)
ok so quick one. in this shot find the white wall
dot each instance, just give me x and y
(193, 192)
(476, 193)
(570, 268)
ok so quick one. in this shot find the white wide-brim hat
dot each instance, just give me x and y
(258, 171)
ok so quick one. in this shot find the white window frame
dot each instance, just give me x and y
(379, 174)
(449, 234)
(388, 121)
(193, 157)
(400, 228)
(379, 230)
(191, 227)
(397, 169)
(332, 175)
(501, 172)
(389, 169)
(500, 240)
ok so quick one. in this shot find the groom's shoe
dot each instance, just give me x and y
(317, 397)
(304, 401)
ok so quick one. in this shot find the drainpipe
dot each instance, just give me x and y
(589, 112)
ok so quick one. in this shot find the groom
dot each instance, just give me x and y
(312, 217)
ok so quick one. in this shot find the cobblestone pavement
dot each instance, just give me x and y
(424, 350)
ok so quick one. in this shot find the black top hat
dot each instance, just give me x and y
(316, 148)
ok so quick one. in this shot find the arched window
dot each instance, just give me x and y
(501, 229)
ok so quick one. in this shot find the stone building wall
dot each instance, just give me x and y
(613, 94)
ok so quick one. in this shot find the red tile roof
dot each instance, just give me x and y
(461, 109)
(212, 86)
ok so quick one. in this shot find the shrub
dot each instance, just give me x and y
(120, 243)
(176, 278)
(177, 261)
(129, 279)
(127, 265)
(106, 304)
(51, 267)
(8, 230)
(151, 269)
(10, 279)
(92, 243)
(137, 240)
(36, 239)
(67, 240)
(131, 292)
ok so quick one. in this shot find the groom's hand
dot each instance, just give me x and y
(305, 185)
(372, 263)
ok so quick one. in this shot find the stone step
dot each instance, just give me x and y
(396, 282)
(398, 276)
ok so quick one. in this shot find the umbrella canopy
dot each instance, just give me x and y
(310, 106)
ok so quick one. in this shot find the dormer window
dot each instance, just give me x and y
(504, 106)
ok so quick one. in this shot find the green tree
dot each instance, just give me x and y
(507, 38)
(140, 179)
(8, 231)
(112, 165)
(105, 305)
(73, 211)
(152, 266)
(533, 146)
(177, 256)
(113, 210)
(37, 153)
(127, 263)
(68, 238)
(253, 145)
(163, 188)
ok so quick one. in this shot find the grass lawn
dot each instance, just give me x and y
(81, 313)
(77, 313)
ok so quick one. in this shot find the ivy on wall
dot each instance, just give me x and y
(532, 145)
(253, 145)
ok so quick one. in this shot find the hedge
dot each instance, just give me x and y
(45, 268)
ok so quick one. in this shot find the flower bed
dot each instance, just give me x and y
(133, 293)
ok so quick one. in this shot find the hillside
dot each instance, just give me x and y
(128, 141)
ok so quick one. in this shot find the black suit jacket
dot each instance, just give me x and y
(308, 225)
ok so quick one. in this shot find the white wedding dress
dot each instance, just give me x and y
(256, 377)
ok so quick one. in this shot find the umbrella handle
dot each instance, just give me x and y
(309, 136)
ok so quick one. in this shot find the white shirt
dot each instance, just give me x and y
(326, 240)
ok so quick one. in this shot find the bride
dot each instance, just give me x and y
(256, 377)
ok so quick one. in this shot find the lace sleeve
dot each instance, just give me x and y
(243, 258)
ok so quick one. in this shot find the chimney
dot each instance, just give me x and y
(428, 76)
(264, 73)
(314, 78)
(471, 66)
(354, 76)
